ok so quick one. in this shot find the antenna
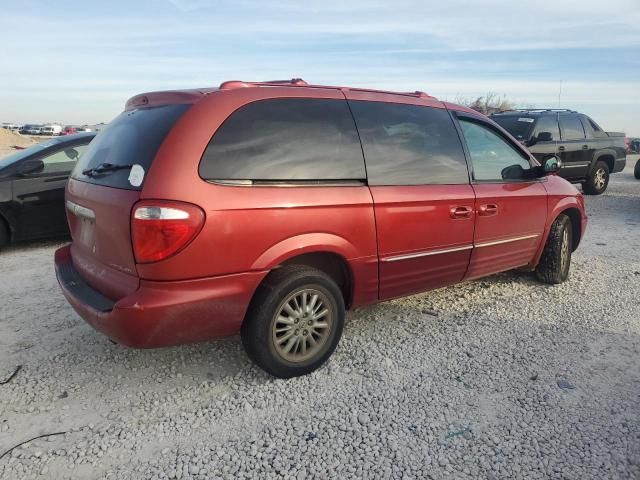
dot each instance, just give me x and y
(560, 94)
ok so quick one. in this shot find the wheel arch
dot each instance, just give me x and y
(571, 208)
(326, 252)
(607, 156)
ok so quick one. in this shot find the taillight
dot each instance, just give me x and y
(160, 229)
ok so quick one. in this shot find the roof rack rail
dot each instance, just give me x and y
(299, 82)
(233, 84)
(538, 110)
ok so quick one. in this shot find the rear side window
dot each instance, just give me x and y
(288, 139)
(132, 138)
(548, 123)
(409, 144)
(571, 127)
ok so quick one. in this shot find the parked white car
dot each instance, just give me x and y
(51, 130)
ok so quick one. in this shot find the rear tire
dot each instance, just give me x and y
(598, 180)
(556, 256)
(294, 322)
(636, 170)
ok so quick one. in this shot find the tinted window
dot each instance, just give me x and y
(548, 123)
(63, 160)
(519, 126)
(133, 137)
(286, 139)
(490, 153)
(409, 144)
(571, 127)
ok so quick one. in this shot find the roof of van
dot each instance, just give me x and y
(192, 95)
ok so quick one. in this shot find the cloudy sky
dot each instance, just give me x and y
(77, 62)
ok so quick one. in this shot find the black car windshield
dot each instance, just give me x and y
(519, 126)
(38, 147)
(21, 154)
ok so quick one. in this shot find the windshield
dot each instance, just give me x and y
(20, 154)
(519, 126)
(131, 139)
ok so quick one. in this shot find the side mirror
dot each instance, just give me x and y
(552, 165)
(512, 172)
(544, 137)
(72, 153)
(31, 166)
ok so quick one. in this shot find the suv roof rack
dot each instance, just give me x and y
(299, 82)
(538, 110)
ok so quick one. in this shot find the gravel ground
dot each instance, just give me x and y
(497, 378)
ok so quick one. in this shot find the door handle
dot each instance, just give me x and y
(461, 212)
(561, 148)
(488, 210)
(585, 147)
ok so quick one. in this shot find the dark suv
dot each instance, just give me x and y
(588, 153)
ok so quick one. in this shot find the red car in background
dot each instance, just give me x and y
(270, 208)
(69, 130)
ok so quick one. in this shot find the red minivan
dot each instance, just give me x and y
(270, 208)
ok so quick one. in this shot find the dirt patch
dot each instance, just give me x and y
(10, 140)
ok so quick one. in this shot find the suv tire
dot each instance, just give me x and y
(598, 180)
(556, 257)
(636, 170)
(294, 322)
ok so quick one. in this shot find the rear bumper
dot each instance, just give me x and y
(161, 314)
(619, 165)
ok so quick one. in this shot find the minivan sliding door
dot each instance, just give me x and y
(423, 202)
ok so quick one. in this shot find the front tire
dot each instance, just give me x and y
(636, 170)
(556, 256)
(294, 322)
(598, 180)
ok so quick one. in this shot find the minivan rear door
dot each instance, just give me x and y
(103, 188)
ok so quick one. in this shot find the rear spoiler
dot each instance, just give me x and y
(153, 99)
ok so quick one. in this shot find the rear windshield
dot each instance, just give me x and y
(132, 138)
(519, 126)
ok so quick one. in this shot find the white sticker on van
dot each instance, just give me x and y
(525, 119)
(136, 175)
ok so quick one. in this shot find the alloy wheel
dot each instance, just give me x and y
(302, 325)
(599, 179)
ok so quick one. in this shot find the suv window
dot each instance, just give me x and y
(519, 126)
(571, 127)
(297, 139)
(133, 137)
(548, 123)
(409, 144)
(490, 153)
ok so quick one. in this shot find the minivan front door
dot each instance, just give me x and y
(423, 202)
(510, 211)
